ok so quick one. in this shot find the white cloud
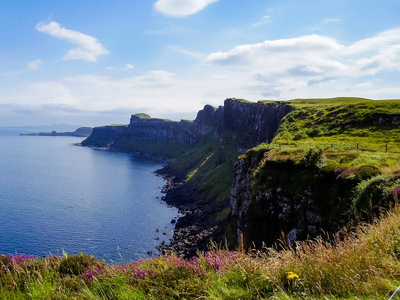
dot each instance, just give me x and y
(88, 47)
(273, 53)
(378, 42)
(364, 85)
(129, 67)
(34, 65)
(311, 60)
(301, 67)
(263, 21)
(331, 20)
(193, 54)
(158, 92)
(181, 8)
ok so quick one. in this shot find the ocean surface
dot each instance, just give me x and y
(56, 196)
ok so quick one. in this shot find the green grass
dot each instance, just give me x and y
(351, 131)
(143, 116)
(364, 266)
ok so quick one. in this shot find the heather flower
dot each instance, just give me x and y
(396, 193)
(20, 259)
(220, 260)
(345, 172)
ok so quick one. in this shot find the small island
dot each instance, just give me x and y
(80, 132)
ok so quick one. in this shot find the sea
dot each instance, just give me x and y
(56, 197)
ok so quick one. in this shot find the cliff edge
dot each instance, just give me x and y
(305, 166)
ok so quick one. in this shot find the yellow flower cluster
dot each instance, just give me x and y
(292, 276)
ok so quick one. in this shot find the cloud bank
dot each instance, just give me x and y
(88, 47)
(300, 67)
(181, 8)
(287, 64)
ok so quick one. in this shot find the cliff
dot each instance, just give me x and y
(105, 136)
(269, 198)
(313, 165)
(332, 161)
(248, 124)
(255, 122)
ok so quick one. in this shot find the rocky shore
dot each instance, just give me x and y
(192, 231)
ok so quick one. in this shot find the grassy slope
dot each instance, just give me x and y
(365, 266)
(331, 130)
(337, 125)
(342, 121)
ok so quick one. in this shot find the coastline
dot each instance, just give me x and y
(191, 232)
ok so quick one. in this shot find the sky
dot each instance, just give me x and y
(96, 62)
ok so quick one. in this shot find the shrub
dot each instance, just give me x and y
(365, 172)
(375, 194)
(77, 264)
(313, 132)
(300, 135)
(314, 157)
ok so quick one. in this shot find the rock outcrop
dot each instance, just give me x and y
(161, 131)
(269, 198)
(105, 136)
(258, 121)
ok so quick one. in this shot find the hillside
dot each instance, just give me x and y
(328, 161)
(332, 161)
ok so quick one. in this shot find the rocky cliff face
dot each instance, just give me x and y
(248, 123)
(271, 198)
(105, 136)
(161, 131)
(258, 121)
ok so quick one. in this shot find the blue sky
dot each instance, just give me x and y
(96, 62)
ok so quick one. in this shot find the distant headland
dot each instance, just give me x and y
(80, 132)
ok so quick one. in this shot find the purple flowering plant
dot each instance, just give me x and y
(396, 193)
(345, 172)
(20, 259)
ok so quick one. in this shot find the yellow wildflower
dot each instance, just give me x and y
(292, 276)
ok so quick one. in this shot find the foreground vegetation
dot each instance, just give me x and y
(366, 265)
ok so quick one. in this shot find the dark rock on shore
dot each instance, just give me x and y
(193, 231)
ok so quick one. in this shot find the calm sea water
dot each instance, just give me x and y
(55, 196)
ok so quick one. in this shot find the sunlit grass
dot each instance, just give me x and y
(366, 265)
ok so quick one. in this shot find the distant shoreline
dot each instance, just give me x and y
(80, 132)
